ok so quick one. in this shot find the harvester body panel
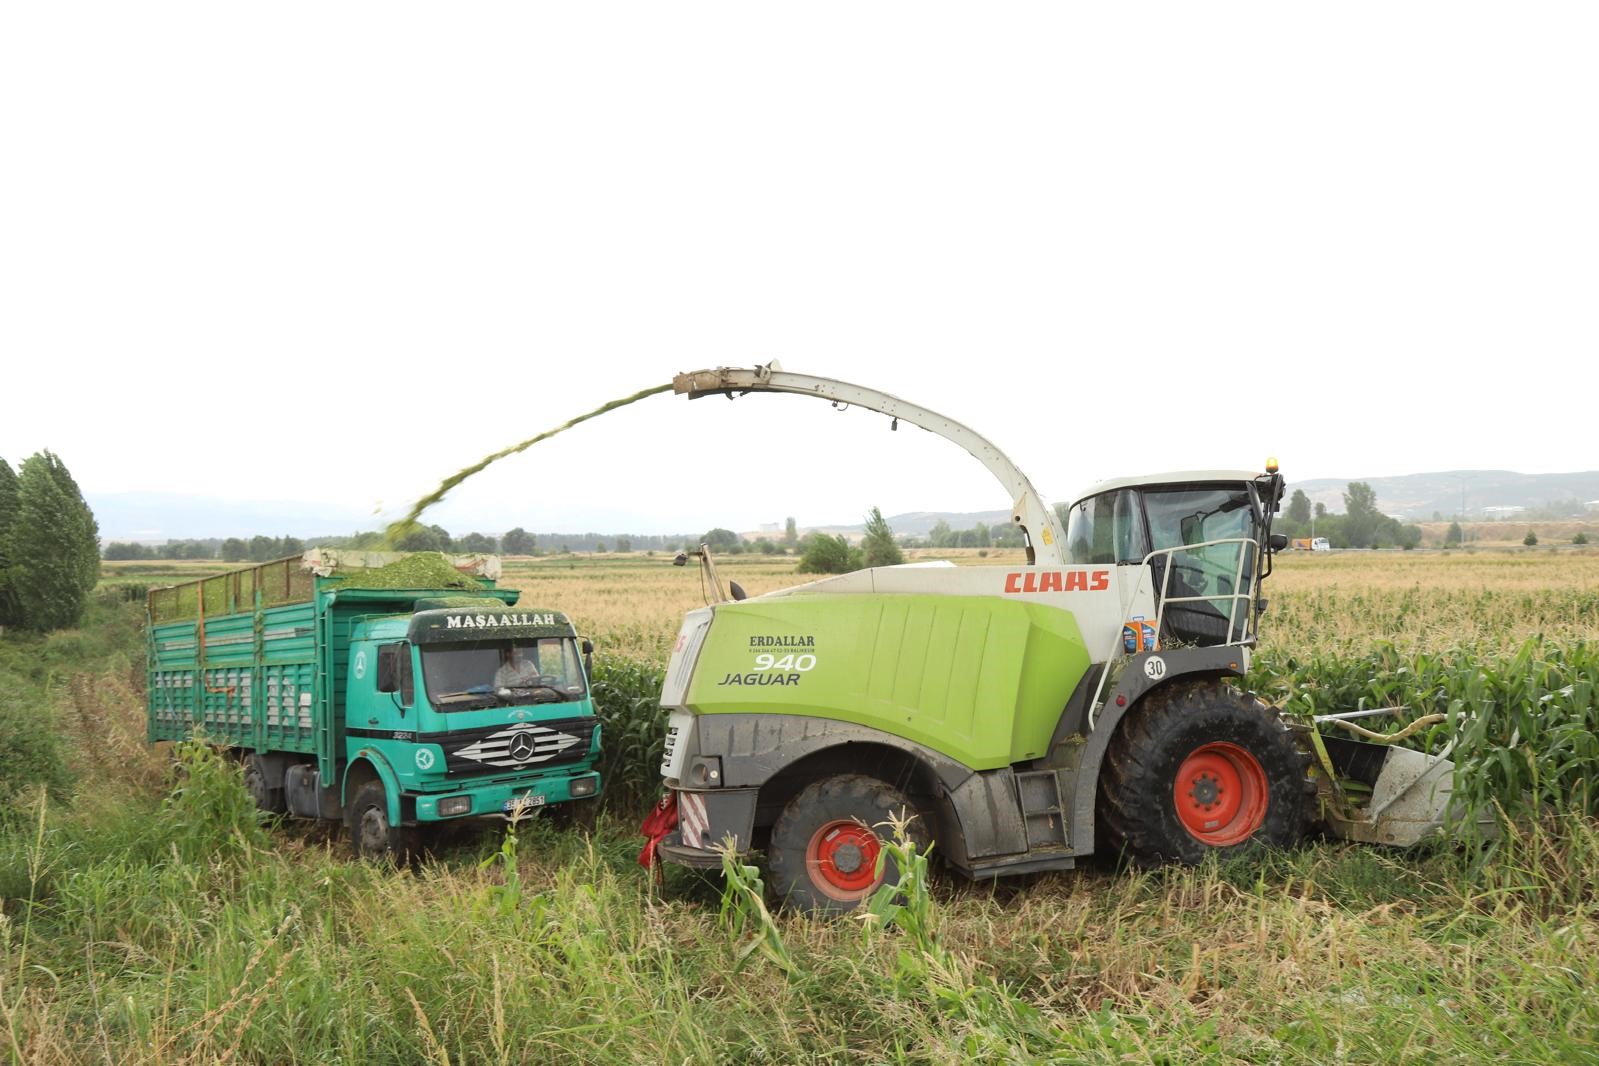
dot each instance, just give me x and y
(980, 679)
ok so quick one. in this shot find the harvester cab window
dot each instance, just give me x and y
(502, 673)
(1107, 529)
(1179, 517)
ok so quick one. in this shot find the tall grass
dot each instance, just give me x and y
(552, 948)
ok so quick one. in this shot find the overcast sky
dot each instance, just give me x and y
(335, 252)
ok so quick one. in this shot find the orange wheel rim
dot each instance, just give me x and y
(842, 859)
(1221, 794)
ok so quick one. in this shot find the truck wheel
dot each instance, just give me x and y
(256, 783)
(370, 832)
(1199, 768)
(825, 844)
(580, 814)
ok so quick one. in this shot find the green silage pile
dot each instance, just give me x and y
(422, 570)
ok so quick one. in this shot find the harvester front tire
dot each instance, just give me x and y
(1196, 769)
(825, 844)
(371, 833)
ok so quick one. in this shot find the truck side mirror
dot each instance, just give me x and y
(1278, 542)
(588, 658)
(389, 668)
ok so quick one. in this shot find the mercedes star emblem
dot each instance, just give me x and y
(522, 747)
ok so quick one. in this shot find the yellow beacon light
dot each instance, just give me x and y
(1271, 464)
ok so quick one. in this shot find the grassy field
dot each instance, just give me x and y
(143, 925)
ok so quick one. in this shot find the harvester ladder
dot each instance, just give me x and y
(1043, 808)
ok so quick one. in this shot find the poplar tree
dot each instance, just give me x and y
(8, 509)
(81, 540)
(53, 546)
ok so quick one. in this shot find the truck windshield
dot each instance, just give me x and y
(502, 673)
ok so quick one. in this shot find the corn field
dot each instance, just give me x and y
(153, 918)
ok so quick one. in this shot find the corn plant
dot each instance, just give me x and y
(744, 912)
(1525, 727)
(627, 700)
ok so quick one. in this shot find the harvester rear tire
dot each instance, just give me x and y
(1196, 769)
(825, 844)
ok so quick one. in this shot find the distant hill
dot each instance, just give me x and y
(1415, 496)
(158, 516)
(153, 517)
(918, 523)
(1418, 496)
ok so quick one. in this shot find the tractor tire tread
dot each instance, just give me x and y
(1135, 814)
(829, 799)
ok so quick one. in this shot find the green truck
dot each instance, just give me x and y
(389, 692)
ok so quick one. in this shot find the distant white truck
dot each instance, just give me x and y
(1310, 544)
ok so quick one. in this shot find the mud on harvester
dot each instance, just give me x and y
(1025, 715)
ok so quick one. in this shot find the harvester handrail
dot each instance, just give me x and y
(1241, 593)
(1147, 571)
(1037, 522)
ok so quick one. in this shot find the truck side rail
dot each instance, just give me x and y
(279, 581)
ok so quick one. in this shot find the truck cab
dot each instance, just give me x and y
(469, 710)
(385, 690)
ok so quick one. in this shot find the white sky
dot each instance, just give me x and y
(333, 252)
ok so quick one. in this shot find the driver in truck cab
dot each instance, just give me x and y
(517, 668)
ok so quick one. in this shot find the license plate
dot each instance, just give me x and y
(532, 799)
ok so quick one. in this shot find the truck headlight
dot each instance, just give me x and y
(583, 787)
(454, 805)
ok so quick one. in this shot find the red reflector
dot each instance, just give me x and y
(1121, 701)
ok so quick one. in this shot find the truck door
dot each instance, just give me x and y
(370, 708)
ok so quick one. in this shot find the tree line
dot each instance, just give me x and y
(260, 549)
(1361, 525)
(518, 541)
(49, 545)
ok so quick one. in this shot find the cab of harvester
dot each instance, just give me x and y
(1205, 536)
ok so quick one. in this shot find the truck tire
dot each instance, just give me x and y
(825, 844)
(370, 832)
(258, 783)
(581, 815)
(1199, 768)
